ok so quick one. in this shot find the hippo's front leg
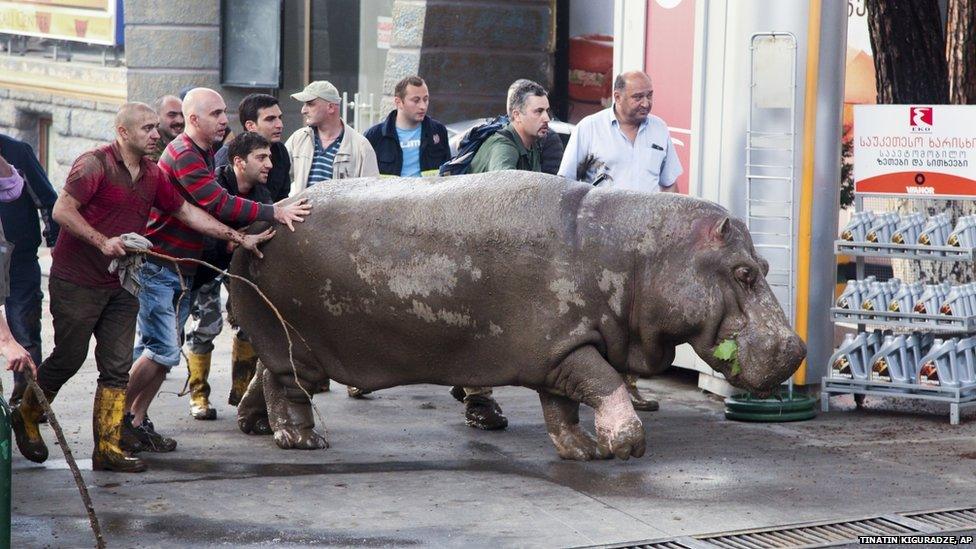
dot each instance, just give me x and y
(562, 422)
(585, 376)
(290, 416)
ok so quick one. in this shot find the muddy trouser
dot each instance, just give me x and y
(482, 391)
(78, 312)
(208, 319)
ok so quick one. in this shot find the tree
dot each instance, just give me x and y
(916, 60)
(909, 51)
(961, 51)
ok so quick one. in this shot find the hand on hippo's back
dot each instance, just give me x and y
(289, 213)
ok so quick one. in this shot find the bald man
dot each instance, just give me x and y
(108, 193)
(188, 164)
(169, 108)
(625, 147)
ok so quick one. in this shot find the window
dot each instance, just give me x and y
(44, 153)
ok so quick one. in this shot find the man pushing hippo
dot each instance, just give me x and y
(506, 278)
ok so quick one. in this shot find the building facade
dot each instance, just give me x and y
(59, 92)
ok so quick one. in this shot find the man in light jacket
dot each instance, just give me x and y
(327, 148)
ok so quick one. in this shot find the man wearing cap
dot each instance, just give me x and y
(327, 148)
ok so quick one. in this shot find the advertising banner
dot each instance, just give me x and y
(88, 21)
(912, 150)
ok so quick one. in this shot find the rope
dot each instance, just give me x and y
(68, 457)
(285, 325)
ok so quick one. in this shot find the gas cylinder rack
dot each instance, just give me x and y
(958, 397)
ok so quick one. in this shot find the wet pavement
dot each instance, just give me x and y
(404, 470)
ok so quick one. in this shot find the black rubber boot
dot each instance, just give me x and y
(639, 402)
(483, 412)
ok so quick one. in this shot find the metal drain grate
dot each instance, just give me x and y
(819, 534)
(946, 521)
(816, 535)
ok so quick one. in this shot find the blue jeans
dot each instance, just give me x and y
(159, 301)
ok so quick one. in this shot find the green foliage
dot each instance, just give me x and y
(728, 351)
(847, 174)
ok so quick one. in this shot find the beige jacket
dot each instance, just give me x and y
(355, 157)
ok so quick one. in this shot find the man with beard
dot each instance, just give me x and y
(514, 147)
(169, 108)
(625, 147)
(164, 302)
(260, 113)
(109, 192)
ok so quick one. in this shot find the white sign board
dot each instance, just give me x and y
(915, 149)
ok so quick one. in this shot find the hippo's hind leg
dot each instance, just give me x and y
(562, 422)
(252, 410)
(585, 376)
(290, 415)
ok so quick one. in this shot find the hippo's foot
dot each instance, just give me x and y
(290, 415)
(252, 410)
(562, 423)
(254, 424)
(289, 438)
(618, 428)
(574, 443)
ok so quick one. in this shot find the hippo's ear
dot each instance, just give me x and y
(720, 231)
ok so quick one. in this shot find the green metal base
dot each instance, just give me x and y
(748, 408)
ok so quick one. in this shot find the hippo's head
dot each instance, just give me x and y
(721, 304)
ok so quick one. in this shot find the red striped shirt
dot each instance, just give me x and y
(190, 169)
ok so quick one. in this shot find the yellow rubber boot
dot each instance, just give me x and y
(24, 421)
(243, 363)
(107, 430)
(199, 366)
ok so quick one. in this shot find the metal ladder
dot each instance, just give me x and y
(770, 161)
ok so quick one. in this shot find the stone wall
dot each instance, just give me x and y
(469, 52)
(80, 100)
(175, 44)
(172, 45)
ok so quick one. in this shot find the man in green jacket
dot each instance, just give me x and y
(514, 147)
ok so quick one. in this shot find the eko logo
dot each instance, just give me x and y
(920, 119)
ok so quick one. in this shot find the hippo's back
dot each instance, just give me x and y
(510, 207)
(394, 281)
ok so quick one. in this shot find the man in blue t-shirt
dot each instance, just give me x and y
(409, 143)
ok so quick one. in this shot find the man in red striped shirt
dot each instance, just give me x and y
(164, 303)
(108, 193)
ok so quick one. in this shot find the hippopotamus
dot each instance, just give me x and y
(504, 278)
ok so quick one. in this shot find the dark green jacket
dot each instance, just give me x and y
(504, 151)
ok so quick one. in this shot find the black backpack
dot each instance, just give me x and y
(472, 141)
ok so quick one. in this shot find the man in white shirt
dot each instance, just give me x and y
(624, 146)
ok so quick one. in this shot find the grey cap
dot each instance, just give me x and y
(320, 89)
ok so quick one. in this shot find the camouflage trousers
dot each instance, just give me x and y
(206, 318)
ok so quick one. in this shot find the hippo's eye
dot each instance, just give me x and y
(745, 275)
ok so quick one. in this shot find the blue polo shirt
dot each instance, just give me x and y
(647, 164)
